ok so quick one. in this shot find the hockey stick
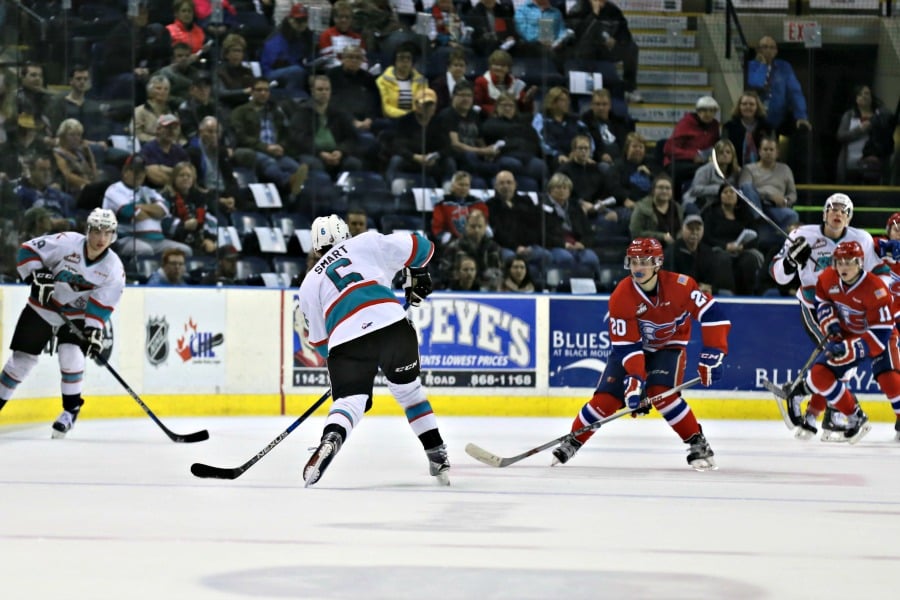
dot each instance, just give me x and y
(197, 436)
(208, 471)
(493, 460)
(784, 392)
(743, 197)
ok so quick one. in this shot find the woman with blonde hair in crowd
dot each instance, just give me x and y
(557, 126)
(192, 222)
(705, 185)
(74, 158)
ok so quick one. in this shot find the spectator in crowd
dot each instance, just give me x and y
(635, 172)
(493, 26)
(183, 29)
(516, 221)
(419, 145)
(499, 80)
(444, 84)
(516, 277)
(226, 268)
(172, 269)
(146, 116)
(180, 72)
(465, 277)
(162, 153)
(26, 142)
(730, 225)
(199, 105)
(569, 233)
(400, 83)
(593, 188)
(448, 221)
(607, 129)
(691, 143)
(260, 125)
(476, 244)
(323, 135)
(355, 90)
(35, 191)
(779, 89)
(339, 35)
(448, 27)
(132, 50)
(234, 82)
(287, 52)
(74, 104)
(705, 186)
(658, 215)
(192, 222)
(213, 164)
(518, 143)
(769, 184)
(32, 98)
(36, 221)
(140, 212)
(747, 125)
(601, 33)
(357, 221)
(75, 160)
(557, 126)
(866, 134)
(380, 26)
(8, 110)
(534, 42)
(690, 255)
(462, 124)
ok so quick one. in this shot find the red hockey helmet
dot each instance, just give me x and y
(848, 251)
(644, 248)
(893, 221)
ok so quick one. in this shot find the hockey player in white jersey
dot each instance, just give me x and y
(806, 253)
(81, 277)
(356, 322)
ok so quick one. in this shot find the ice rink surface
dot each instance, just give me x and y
(112, 512)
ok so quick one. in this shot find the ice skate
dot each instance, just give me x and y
(565, 451)
(321, 458)
(858, 426)
(700, 455)
(834, 426)
(439, 464)
(64, 422)
(807, 427)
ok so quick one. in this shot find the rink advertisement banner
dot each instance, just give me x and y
(767, 341)
(184, 341)
(464, 343)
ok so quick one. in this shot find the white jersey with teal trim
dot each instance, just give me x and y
(83, 289)
(347, 293)
(822, 248)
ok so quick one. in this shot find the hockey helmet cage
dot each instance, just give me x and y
(840, 200)
(103, 219)
(328, 231)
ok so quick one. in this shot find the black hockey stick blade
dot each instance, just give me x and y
(494, 460)
(210, 472)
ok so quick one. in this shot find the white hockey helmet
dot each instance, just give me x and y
(328, 231)
(840, 202)
(103, 219)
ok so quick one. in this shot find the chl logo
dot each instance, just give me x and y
(157, 340)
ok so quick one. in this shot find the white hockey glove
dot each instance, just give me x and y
(93, 344)
(42, 283)
(417, 284)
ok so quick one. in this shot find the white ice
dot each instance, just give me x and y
(112, 512)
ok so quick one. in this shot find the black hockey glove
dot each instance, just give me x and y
(41, 286)
(417, 284)
(93, 342)
(797, 254)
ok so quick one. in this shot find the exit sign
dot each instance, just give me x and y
(801, 31)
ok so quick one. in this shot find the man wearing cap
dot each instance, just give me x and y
(27, 142)
(140, 211)
(691, 142)
(690, 255)
(163, 152)
(420, 143)
(226, 267)
(199, 105)
(287, 51)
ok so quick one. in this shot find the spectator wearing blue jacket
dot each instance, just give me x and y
(287, 51)
(777, 85)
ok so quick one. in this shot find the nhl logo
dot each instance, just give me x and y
(157, 340)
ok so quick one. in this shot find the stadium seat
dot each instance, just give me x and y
(248, 266)
(146, 265)
(292, 267)
(393, 222)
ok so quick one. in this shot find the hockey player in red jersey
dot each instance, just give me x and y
(650, 326)
(855, 310)
(888, 249)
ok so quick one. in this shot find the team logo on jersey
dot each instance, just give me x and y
(157, 347)
(641, 309)
(73, 258)
(834, 290)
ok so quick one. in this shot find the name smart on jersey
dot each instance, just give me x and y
(333, 255)
(477, 325)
